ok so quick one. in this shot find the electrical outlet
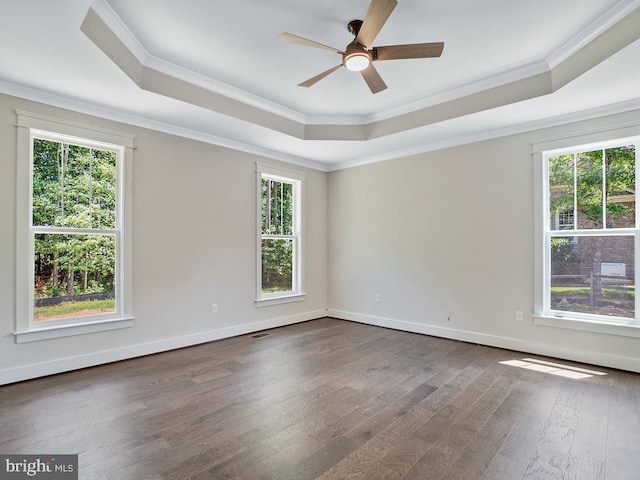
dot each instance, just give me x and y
(519, 317)
(377, 298)
(214, 308)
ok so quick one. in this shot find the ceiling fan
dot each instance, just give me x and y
(360, 54)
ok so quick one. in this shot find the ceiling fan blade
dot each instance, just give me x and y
(373, 79)
(376, 16)
(415, 50)
(291, 38)
(318, 77)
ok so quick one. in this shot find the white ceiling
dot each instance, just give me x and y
(216, 71)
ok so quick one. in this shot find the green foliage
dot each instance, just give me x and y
(73, 187)
(622, 293)
(563, 251)
(277, 266)
(277, 207)
(579, 177)
(277, 220)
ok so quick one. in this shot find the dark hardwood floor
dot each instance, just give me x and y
(330, 399)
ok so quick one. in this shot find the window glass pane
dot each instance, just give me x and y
(73, 186)
(561, 197)
(589, 189)
(277, 207)
(593, 274)
(621, 187)
(277, 266)
(74, 275)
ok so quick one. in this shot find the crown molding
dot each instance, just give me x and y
(120, 30)
(413, 149)
(234, 93)
(572, 118)
(111, 19)
(592, 31)
(84, 108)
(454, 92)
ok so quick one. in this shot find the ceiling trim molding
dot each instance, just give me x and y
(111, 19)
(170, 86)
(143, 122)
(121, 117)
(119, 29)
(625, 127)
(605, 45)
(592, 31)
(572, 118)
(452, 93)
(225, 89)
(596, 28)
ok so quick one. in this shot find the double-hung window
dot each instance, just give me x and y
(280, 243)
(73, 267)
(590, 235)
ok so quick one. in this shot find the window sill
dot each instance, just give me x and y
(622, 328)
(268, 301)
(59, 331)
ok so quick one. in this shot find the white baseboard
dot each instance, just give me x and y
(66, 364)
(27, 372)
(593, 358)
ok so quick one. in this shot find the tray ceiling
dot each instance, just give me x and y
(216, 71)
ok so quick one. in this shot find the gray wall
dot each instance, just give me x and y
(446, 239)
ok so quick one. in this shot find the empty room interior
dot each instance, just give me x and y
(372, 239)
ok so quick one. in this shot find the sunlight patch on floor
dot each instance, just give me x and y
(551, 368)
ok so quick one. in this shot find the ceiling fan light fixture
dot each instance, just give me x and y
(357, 62)
(361, 52)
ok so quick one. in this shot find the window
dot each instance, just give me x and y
(280, 245)
(590, 233)
(74, 241)
(563, 220)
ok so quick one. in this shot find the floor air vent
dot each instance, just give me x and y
(261, 335)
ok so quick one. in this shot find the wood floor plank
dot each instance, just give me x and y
(359, 463)
(623, 432)
(502, 468)
(399, 461)
(473, 460)
(588, 455)
(320, 461)
(533, 403)
(551, 455)
(390, 413)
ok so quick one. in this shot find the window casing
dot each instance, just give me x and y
(589, 237)
(280, 245)
(74, 229)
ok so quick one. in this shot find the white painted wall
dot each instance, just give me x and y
(446, 239)
(193, 245)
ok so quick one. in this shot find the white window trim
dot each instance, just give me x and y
(26, 330)
(570, 320)
(298, 179)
